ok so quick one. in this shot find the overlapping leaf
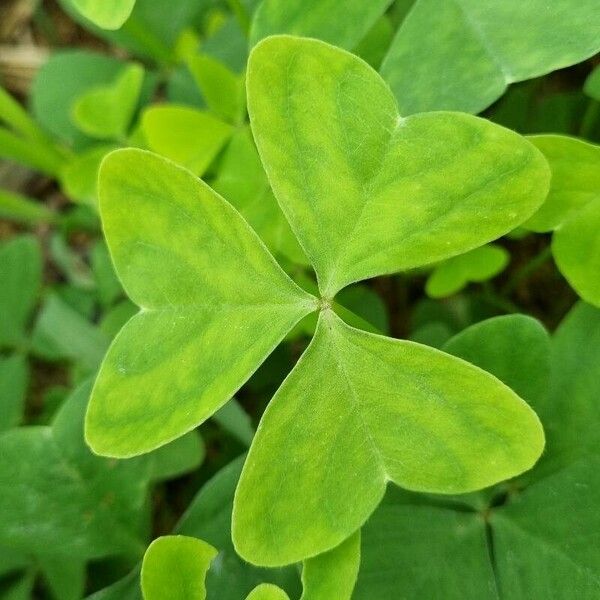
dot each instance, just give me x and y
(366, 192)
(175, 567)
(481, 46)
(380, 410)
(572, 211)
(539, 527)
(214, 304)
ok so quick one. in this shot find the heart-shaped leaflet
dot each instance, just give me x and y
(368, 192)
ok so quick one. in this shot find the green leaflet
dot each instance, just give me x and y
(333, 574)
(61, 81)
(208, 289)
(481, 46)
(175, 567)
(222, 89)
(575, 167)
(341, 23)
(187, 136)
(477, 265)
(572, 210)
(14, 380)
(106, 111)
(468, 181)
(21, 278)
(242, 181)
(47, 475)
(267, 591)
(108, 14)
(409, 533)
(381, 409)
(208, 517)
(576, 249)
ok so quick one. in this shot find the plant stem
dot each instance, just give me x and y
(535, 263)
(589, 118)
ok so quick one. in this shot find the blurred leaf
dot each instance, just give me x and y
(21, 278)
(70, 262)
(66, 76)
(179, 457)
(234, 419)
(108, 286)
(187, 136)
(222, 89)
(374, 46)
(592, 84)
(79, 177)
(575, 167)
(108, 14)
(576, 249)
(481, 46)
(340, 23)
(106, 111)
(175, 567)
(242, 181)
(454, 274)
(21, 209)
(14, 380)
(61, 333)
(116, 317)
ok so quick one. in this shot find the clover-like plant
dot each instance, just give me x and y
(366, 192)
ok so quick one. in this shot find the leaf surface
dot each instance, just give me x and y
(481, 46)
(214, 304)
(380, 410)
(105, 112)
(108, 14)
(185, 135)
(175, 567)
(340, 23)
(366, 191)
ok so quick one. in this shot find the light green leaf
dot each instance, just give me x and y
(481, 46)
(79, 176)
(381, 410)
(341, 23)
(332, 574)
(575, 167)
(242, 181)
(222, 89)
(343, 170)
(214, 304)
(14, 380)
(267, 591)
(175, 567)
(106, 111)
(576, 249)
(477, 265)
(21, 278)
(187, 136)
(108, 14)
